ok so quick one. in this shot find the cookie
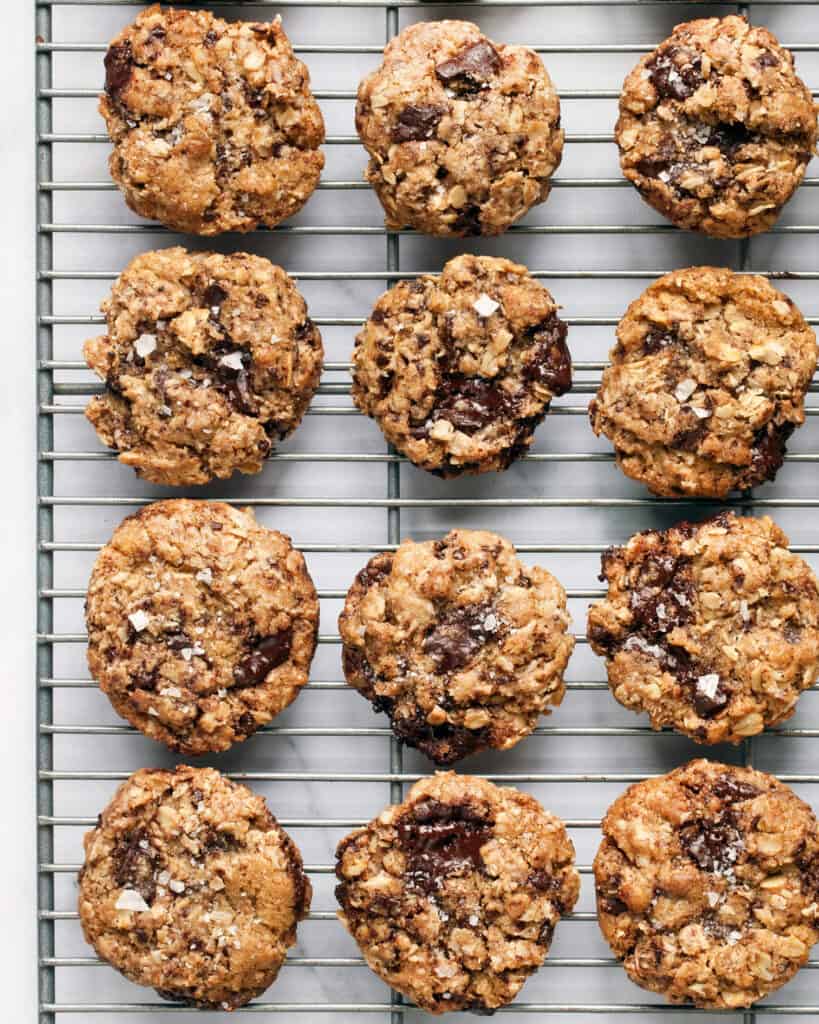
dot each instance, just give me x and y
(458, 370)
(707, 884)
(201, 623)
(463, 134)
(208, 360)
(716, 128)
(191, 886)
(453, 895)
(213, 124)
(707, 383)
(458, 642)
(711, 628)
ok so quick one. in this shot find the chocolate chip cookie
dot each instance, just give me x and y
(712, 628)
(708, 882)
(208, 361)
(454, 894)
(458, 370)
(201, 623)
(716, 128)
(192, 887)
(707, 383)
(458, 642)
(463, 134)
(213, 123)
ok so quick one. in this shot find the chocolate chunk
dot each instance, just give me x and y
(246, 724)
(733, 790)
(662, 598)
(658, 338)
(444, 744)
(766, 59)
(442, 839)
(375, 570)
(543, 881)
(471, 403)
(611, 905)
(119, 64)
(551, 363)
(689, 438)
(768, 451)
(675, 74)
(729, 138)
(472, 69)
(357, 667)
(715, 845)
(417, 122)
(237, 391)
(709, 696)
(459, 635)
(267, 654)
(178, 641)
(134, 863)
(468, 221)
(213, 296)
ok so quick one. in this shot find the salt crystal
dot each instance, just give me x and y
(484, 306)
(205, 576)
(701, 414)
(163, 877)
(744, 612)
(176, 886)
(233, 360)
(708, 685)
(130, 899)
(139, 620)
(473, 920)
(145, 345)
(685, 389)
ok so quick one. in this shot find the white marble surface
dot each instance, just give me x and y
(369, 755)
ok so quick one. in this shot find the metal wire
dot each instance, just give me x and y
(55, 536)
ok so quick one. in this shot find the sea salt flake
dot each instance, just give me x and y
(685, 389)
(186, 374)
(170, 691)
(163, 877)
(130, 899)
(139, 620)
(490, 622)
(484, 306)
(713, 898)
(701, 414)
(205, 576)
(153, 712)
(233, 360)
(708, 685)
(176, 886)
(744, 612)
(145, 345)
(221, 693)
(473, 920)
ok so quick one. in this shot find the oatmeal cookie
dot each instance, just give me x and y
(716, 128)
(458, 370)
(707, 383)
(459, 643)
(463, 134)
(201, 623)
(208, 361)
(192, 887)
(213, 124)
(454, 894)
(708, 882)
(712, 628)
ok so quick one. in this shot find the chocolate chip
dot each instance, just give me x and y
(543, 881)
(441, 839)
(210, 37)
(357, 669)
(471, 69)
(662, 597)
(246, 724)
(550, 364)
(268, 653)
(688, 439)
(715, 845)
(471, 403)
(134, 863)
(768, 452)
(468, 221)
(709, 699)
(733, 790)
(444, 744)
(675, 74)
(657, 338)
(417, 122)
(213, 296)
(612, 905)
(459, 634)
(375, 570)
(766, 59)
(729, 138)
(237, 391)
(119, 64)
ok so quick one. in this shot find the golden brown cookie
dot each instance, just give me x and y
(208, 360)
(453, 895)
(707, 382)
(716, 128)
(201, 623)
(191, 886)
(708, 882)
(712, 628)
(213, 123)
(458, 370)
(463, 134)
(458, 642)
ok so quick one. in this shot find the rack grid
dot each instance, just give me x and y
(328, 764)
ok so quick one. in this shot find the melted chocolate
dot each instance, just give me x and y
(459, 634)
(551, 363)
(268, 653)
(417, 122)
(675, 74)
(119, 65)
(134, 863)
(714, 845)
(471, 69)
(441, 839)
(471, 403)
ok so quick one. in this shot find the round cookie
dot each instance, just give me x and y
(707, 884)
(712, 628)
(201, 623)
(463, 134)
(192, 887)
(208, 361)
(458, 370)
(716, 129)
(213, 124)
(453, 895)
(459, 643)
(707, 383)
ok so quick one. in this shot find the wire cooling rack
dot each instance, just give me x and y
(328, 763)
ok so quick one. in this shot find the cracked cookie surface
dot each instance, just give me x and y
(213, 124)
(208, 361)
(458, 370)
(201, 623)
(454, 894)
(712, 628)
(190, 886)
(463, 134)
(707, 382)
(716, 129)
(458, 642)
(707, 884)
